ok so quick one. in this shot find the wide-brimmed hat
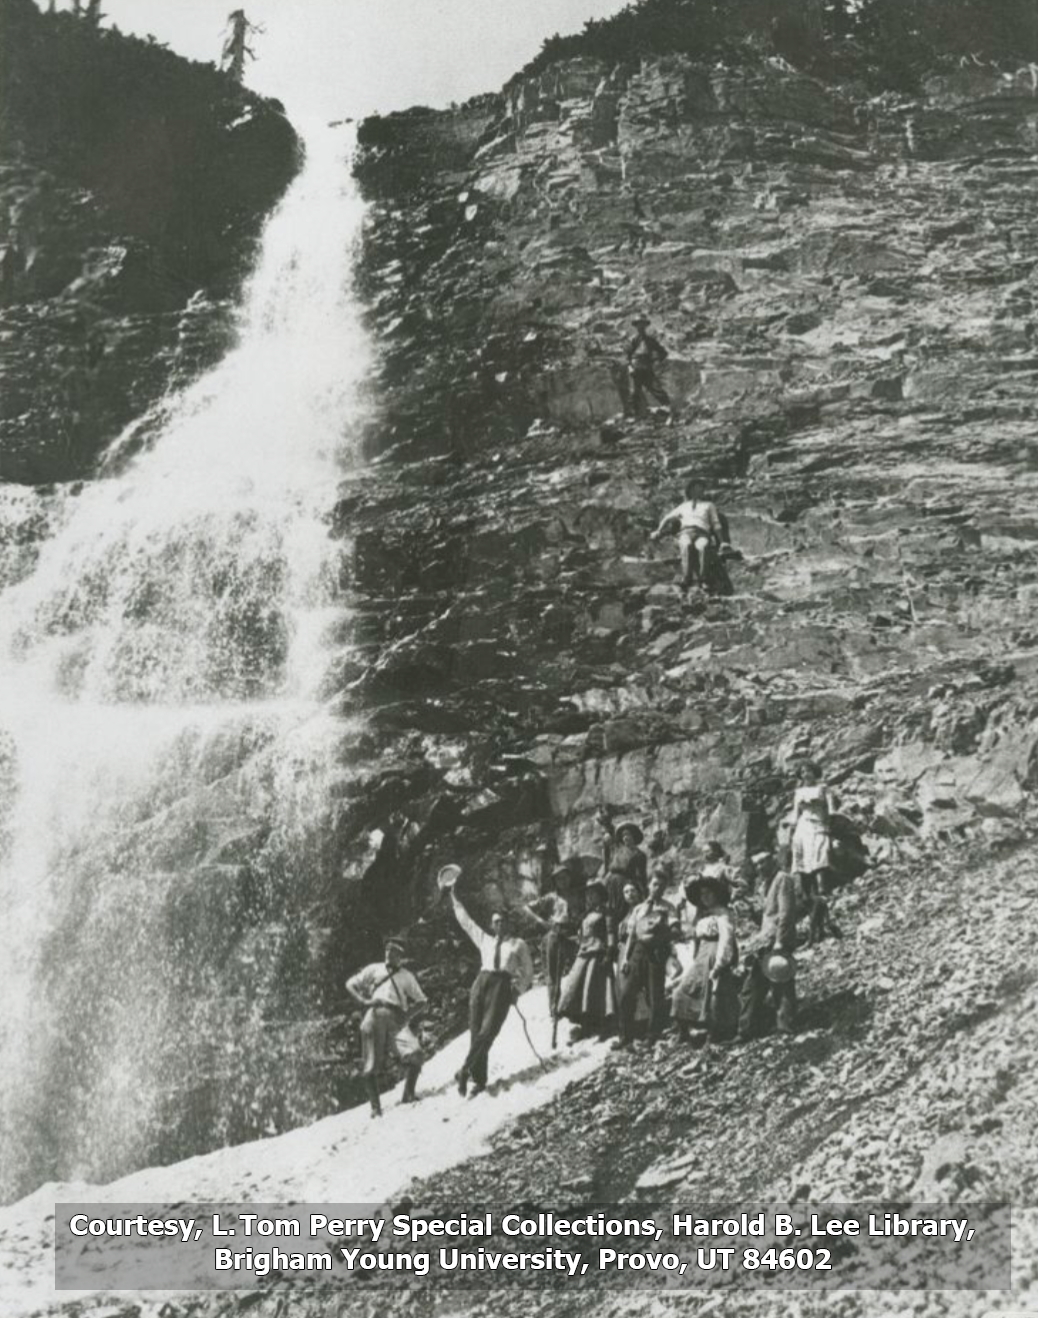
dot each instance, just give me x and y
(641, 320)
(779, 967)
(695, 886)
(398, 943)
(629, 825)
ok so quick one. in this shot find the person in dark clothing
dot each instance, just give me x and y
(506, 973)
(644, 354)
(588, 996)
(778, 934)
(559, 913)
(643, 964)
(625, 862)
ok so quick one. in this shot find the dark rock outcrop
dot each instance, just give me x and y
(132, 187)
(850, 337)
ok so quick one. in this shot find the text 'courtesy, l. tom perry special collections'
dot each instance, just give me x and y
(231, 1247)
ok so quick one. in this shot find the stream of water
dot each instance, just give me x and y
(161, 724)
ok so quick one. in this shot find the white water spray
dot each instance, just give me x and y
(159, 697)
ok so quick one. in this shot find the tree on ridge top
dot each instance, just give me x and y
(236, 48)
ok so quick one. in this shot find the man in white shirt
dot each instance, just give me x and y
(391, 996)
(700, 533)
(506, 972)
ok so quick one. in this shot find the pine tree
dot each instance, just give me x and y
(236, 48)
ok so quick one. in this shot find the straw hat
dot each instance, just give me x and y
(779, 967)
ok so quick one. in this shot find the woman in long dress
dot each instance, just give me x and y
(812, 846)
(588, 994)
(559, 914)
(707, 996)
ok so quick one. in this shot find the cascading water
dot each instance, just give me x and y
(164, 753)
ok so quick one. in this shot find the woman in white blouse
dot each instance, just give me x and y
(813, 809)
(707, 998)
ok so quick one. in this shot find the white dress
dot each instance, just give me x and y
(811, 848)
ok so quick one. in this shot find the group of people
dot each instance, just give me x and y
(620, 957)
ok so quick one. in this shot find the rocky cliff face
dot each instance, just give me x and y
(845, 285)
(132, 187)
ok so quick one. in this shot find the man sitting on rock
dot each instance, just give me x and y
(700, 535)
(644, 354)
(506, 973)
(391, 996)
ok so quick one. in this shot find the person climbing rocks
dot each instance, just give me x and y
(506, 972)
(391, 997)
(588, 997)
(813, 809)
(559, 913)
(644, 354)
(643, 963)
(761, 990)
(700, 535)
(624, 862)
(706, 998)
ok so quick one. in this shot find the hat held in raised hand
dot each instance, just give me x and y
(448, 877)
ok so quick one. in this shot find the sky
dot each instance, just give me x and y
(329, 59)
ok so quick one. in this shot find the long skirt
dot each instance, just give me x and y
(699, 1001)
(588, 995)
(811, 847)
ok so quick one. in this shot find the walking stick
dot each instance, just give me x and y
(526, 1031)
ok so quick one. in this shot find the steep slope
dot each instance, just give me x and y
(845, 286)
(845, 283)
(132, 187)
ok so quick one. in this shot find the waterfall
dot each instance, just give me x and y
(165, 755)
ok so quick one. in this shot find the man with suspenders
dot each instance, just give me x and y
(391, 996)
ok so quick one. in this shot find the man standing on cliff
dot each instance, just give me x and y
(506, 972)
(391, 997)
(644, 354)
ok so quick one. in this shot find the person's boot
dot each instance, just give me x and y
(410, 1080)
(371, 1085)
(462, 1079)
